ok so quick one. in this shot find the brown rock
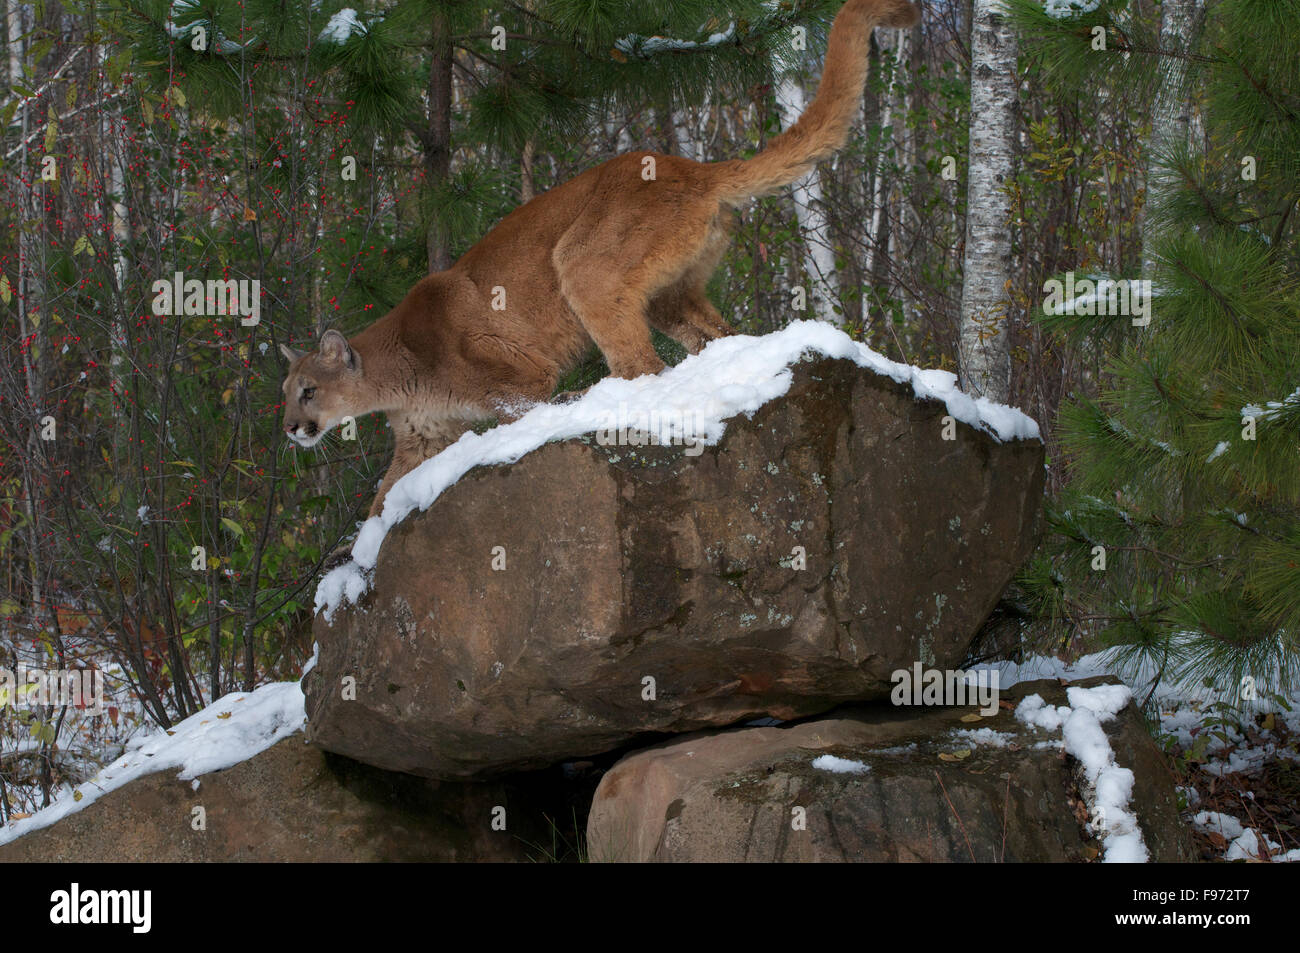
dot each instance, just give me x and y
(730, 796)
(291, 803)
(631, 563)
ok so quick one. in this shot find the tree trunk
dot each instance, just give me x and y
(527, 182)
(984, 359)
(1180, 21)
(820, 277)
(437, 138)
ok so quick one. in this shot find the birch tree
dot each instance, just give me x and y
(820, 278)
(984, 358)
(1180, 21)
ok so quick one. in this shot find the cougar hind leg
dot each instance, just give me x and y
(620, 280)
(613, 310)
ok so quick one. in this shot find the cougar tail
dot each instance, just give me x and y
(824, 125)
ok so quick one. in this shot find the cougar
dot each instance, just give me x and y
(624, 247)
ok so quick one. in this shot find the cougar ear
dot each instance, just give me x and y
(335, 350)
(291, 354)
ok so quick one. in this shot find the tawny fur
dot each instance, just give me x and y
(603, 258)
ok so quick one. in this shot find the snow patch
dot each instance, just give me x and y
(1062, 9)
(341, 27)
(1107, 787)
(1275, 407)
(828, 762)
(232, 729)
(646, 46)
(985, 737)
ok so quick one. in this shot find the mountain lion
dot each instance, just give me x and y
(625, 247)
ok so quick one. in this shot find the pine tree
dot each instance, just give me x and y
(531, 74)
(1178, 538)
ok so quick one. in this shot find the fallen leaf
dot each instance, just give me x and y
(972, 717)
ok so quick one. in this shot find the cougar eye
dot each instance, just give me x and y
(308, 393)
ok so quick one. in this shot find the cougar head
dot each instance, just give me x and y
(322, 387)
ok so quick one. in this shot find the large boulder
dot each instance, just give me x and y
(831, 538)
(910, 785)
(293, 803)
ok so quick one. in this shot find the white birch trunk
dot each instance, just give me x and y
(893, 44)
(820, 277)
(112, 172)
(1171, 113)
(984, 358)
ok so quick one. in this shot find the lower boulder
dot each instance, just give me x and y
(879, 783)
(292, 803)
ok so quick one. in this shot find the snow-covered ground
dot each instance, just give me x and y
(1190, 712)
(91, 730)
(233, 729)
(692, 402)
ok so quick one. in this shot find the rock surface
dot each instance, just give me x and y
(291, 803)
(626, 564)
(729, 796)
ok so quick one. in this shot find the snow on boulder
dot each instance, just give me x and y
(814, 518)
(689, 403)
